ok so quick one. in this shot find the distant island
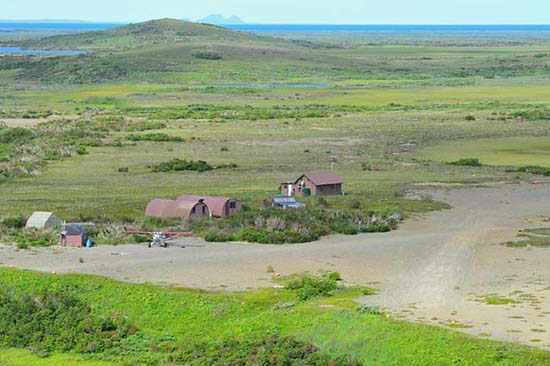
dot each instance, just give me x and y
(218, 19)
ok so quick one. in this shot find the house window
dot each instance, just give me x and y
(194, 210)
(232, 204)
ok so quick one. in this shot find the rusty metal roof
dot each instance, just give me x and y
(322, 179)
(170, 209)
(161, 208)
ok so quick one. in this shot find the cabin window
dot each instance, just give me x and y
(232, 204)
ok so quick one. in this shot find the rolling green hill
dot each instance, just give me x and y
(164, 50)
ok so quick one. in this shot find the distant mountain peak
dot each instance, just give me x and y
(218, 19)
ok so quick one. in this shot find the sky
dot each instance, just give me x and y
(288, 11)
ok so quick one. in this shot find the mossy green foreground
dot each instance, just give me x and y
(179, 316)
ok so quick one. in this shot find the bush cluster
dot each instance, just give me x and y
(467, 162)
(145, 126)
(308, 287)
(157, 137)
(56, 321)
(178, 165)
(26, 238)
(276, 226)
(14, 222)
(208, 56)
(533, 169)
(270, 350)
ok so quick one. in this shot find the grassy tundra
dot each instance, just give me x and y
(81, 135)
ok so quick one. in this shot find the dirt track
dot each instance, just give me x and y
(436, 269)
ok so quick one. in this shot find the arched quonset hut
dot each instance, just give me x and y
(43, 220)
(219, 206)
(169, 209)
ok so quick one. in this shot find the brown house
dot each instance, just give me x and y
(169, 209)
(219, 206)
(313, 184)
(74, 236)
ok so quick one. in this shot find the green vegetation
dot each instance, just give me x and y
(276, 226)
(467, 162)
(514, 151)
(165, 326)
(531, 238)
(309, 287)
(497, 300)
(180, 165)
(162, 137)
(208, 56)
(533, 169)
(55, 320)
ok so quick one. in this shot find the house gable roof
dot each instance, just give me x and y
(321, 179)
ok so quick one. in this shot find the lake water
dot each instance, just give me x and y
(8, 26)
(19, 51)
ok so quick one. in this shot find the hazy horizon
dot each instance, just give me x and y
(55, 20)
(347, 12)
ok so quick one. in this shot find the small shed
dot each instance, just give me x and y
(313, 184)
(219, 206)
(170, 209)
(74, 236)
(43, 220)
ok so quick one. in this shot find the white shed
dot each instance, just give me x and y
(43, 220)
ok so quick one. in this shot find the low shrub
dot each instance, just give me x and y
(277, 226)
(208, 56)
(81, 150)
(145, 126)
(269, 350)
(534, 169)
(467, 162)
(157, 137)
(227, 166)
(12, 135)
(15, 222)
(176, 165)
(27, 238)
(54, 320)
(308, 287)
(91, 142)
(369, 309)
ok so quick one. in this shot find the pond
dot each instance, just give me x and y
(20, 51)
